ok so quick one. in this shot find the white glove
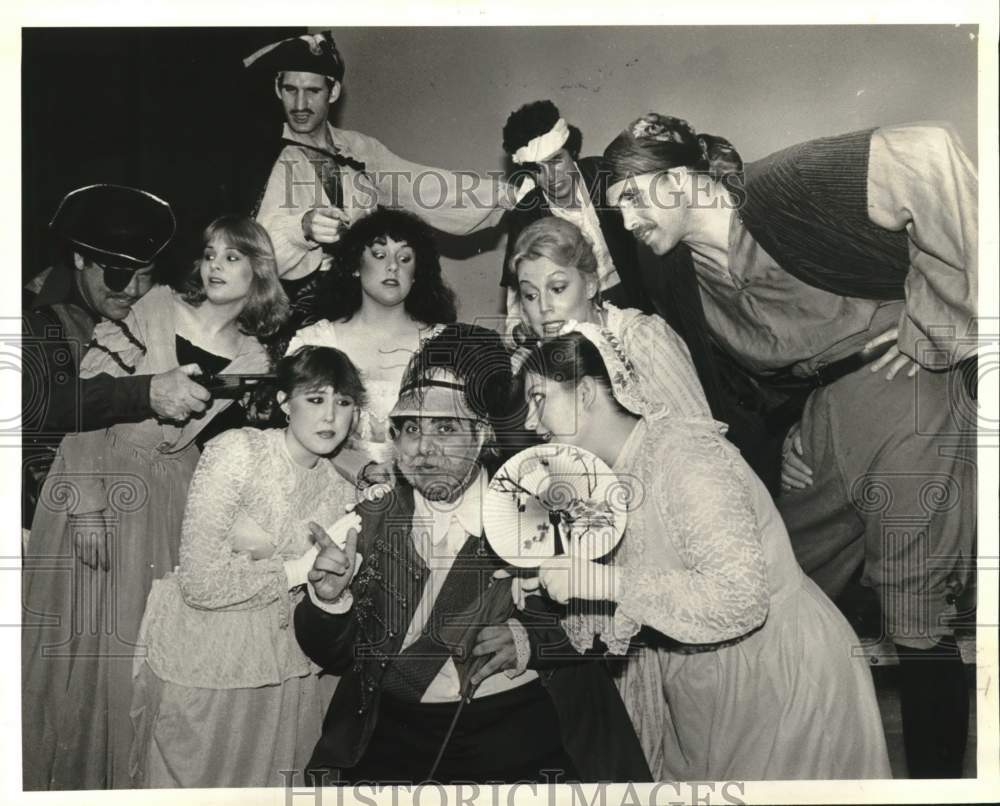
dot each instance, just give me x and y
(297, 570)
(338, 532)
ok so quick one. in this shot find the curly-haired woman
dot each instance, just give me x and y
(390, 297)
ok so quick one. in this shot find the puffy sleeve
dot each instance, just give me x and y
(704, 507)
(320, 334)
(664, 365)
(920, 178)
(457, 203)
(211, 575)
(291, 192)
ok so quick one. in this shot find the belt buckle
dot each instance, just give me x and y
(819, 376)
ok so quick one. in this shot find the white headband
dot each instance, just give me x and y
(544, 146)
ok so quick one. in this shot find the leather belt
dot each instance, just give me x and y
(828, 373)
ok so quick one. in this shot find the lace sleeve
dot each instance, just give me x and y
(704, 507)
(211, 575)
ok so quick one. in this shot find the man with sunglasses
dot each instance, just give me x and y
(108, 238)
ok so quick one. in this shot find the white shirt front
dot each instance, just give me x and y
(439, 532)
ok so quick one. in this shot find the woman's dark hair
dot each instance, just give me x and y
(311, 367)
(567, 359)
(655, 143)
(533, 120)
(266, 307)
(430, 300)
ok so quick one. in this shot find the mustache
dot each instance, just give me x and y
(442, 468)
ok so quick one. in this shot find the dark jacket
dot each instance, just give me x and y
(57, 326)
(621, 244)
(363, 645)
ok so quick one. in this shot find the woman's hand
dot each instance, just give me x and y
(892, 358)
(91, 535)
(565, 577)
(795, 473)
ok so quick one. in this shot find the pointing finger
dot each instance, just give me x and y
(319, 536)
(351, 547)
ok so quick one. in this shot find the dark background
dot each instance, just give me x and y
(169, 110)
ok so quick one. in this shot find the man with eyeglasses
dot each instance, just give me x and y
(108, 238)
(407, 610)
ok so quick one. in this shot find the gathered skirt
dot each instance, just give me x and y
(792, 701)
(80, 625)
(193, 737)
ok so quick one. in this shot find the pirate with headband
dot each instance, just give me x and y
(559, 183)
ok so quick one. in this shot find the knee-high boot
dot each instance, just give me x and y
(934, 698)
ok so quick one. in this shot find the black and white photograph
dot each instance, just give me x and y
(462, 404)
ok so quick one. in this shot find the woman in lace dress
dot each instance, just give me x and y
(558, 285)
(109, 518)
(739, 666)
(225, 697)
(390, 297)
